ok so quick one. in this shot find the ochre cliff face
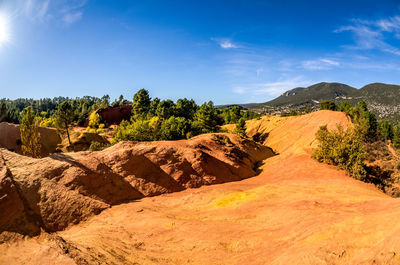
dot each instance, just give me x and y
(62, 189)
(10, 138)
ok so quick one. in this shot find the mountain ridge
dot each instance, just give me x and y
(381, 98)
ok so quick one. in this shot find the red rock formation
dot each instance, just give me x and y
(65, 188)
(114, 115)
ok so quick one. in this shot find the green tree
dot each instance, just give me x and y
(174, 128)
(235, 114)
(153, 107)
(328, 105)
(206, 118)
(386, 130)
(64, 117)
(3, 111)
(165, 109)
(362, 105)
(185, 108)
(240, 128)
(118, 102)
(227, 117)
(30, 136)
(366, 125)
(141, 104)
(396, 136)
(105, 101)
(344, 107)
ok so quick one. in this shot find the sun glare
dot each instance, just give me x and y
(4, 29)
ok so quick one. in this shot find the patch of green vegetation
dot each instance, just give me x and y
(96, 146)
(291, 113)
(155, 119)
(341, 148)
(240, 128)
(328, 105)
(30, 136)
(366, 141)
(95, 125)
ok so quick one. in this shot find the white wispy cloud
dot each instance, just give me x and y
(65, 11)
(274, 88)
(72, 17)
(225, 43)
(372, 34)
(278, 87)
(320, 64)
(34, 9)
(72, 12)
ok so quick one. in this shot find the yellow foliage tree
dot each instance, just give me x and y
(30, 136)
(94, 123)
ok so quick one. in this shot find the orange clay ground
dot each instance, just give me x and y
(296, 211)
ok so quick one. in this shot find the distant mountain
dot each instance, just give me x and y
(382, 99)
(317, 92)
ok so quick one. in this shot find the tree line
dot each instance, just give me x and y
(373, 128)
(155, 119)
(152, 119)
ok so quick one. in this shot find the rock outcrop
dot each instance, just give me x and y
(62, 189)
(50, 140)
(10, 138)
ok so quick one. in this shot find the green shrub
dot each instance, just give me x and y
(288, 114)
(96, 146)
(328, 105)
(344, 107)
(396, 136)
(240, 128)
(174, 128)
(94, 123)
(341, 148)
(48, 122)
(138, 130)
(386, 130)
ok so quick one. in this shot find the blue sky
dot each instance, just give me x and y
(225, 51)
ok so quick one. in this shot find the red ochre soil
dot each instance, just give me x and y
(296, 211)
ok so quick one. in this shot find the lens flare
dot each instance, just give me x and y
(4, 29)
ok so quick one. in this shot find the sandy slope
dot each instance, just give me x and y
(297, 211)
(54, 192)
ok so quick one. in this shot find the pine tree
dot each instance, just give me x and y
(141, 104)
(386, 130)
(3, 111)
(240, 128)
(153, 106)
(30, 136)
(165, 109)
(64, 117)
(206, 118)
(396, 136)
